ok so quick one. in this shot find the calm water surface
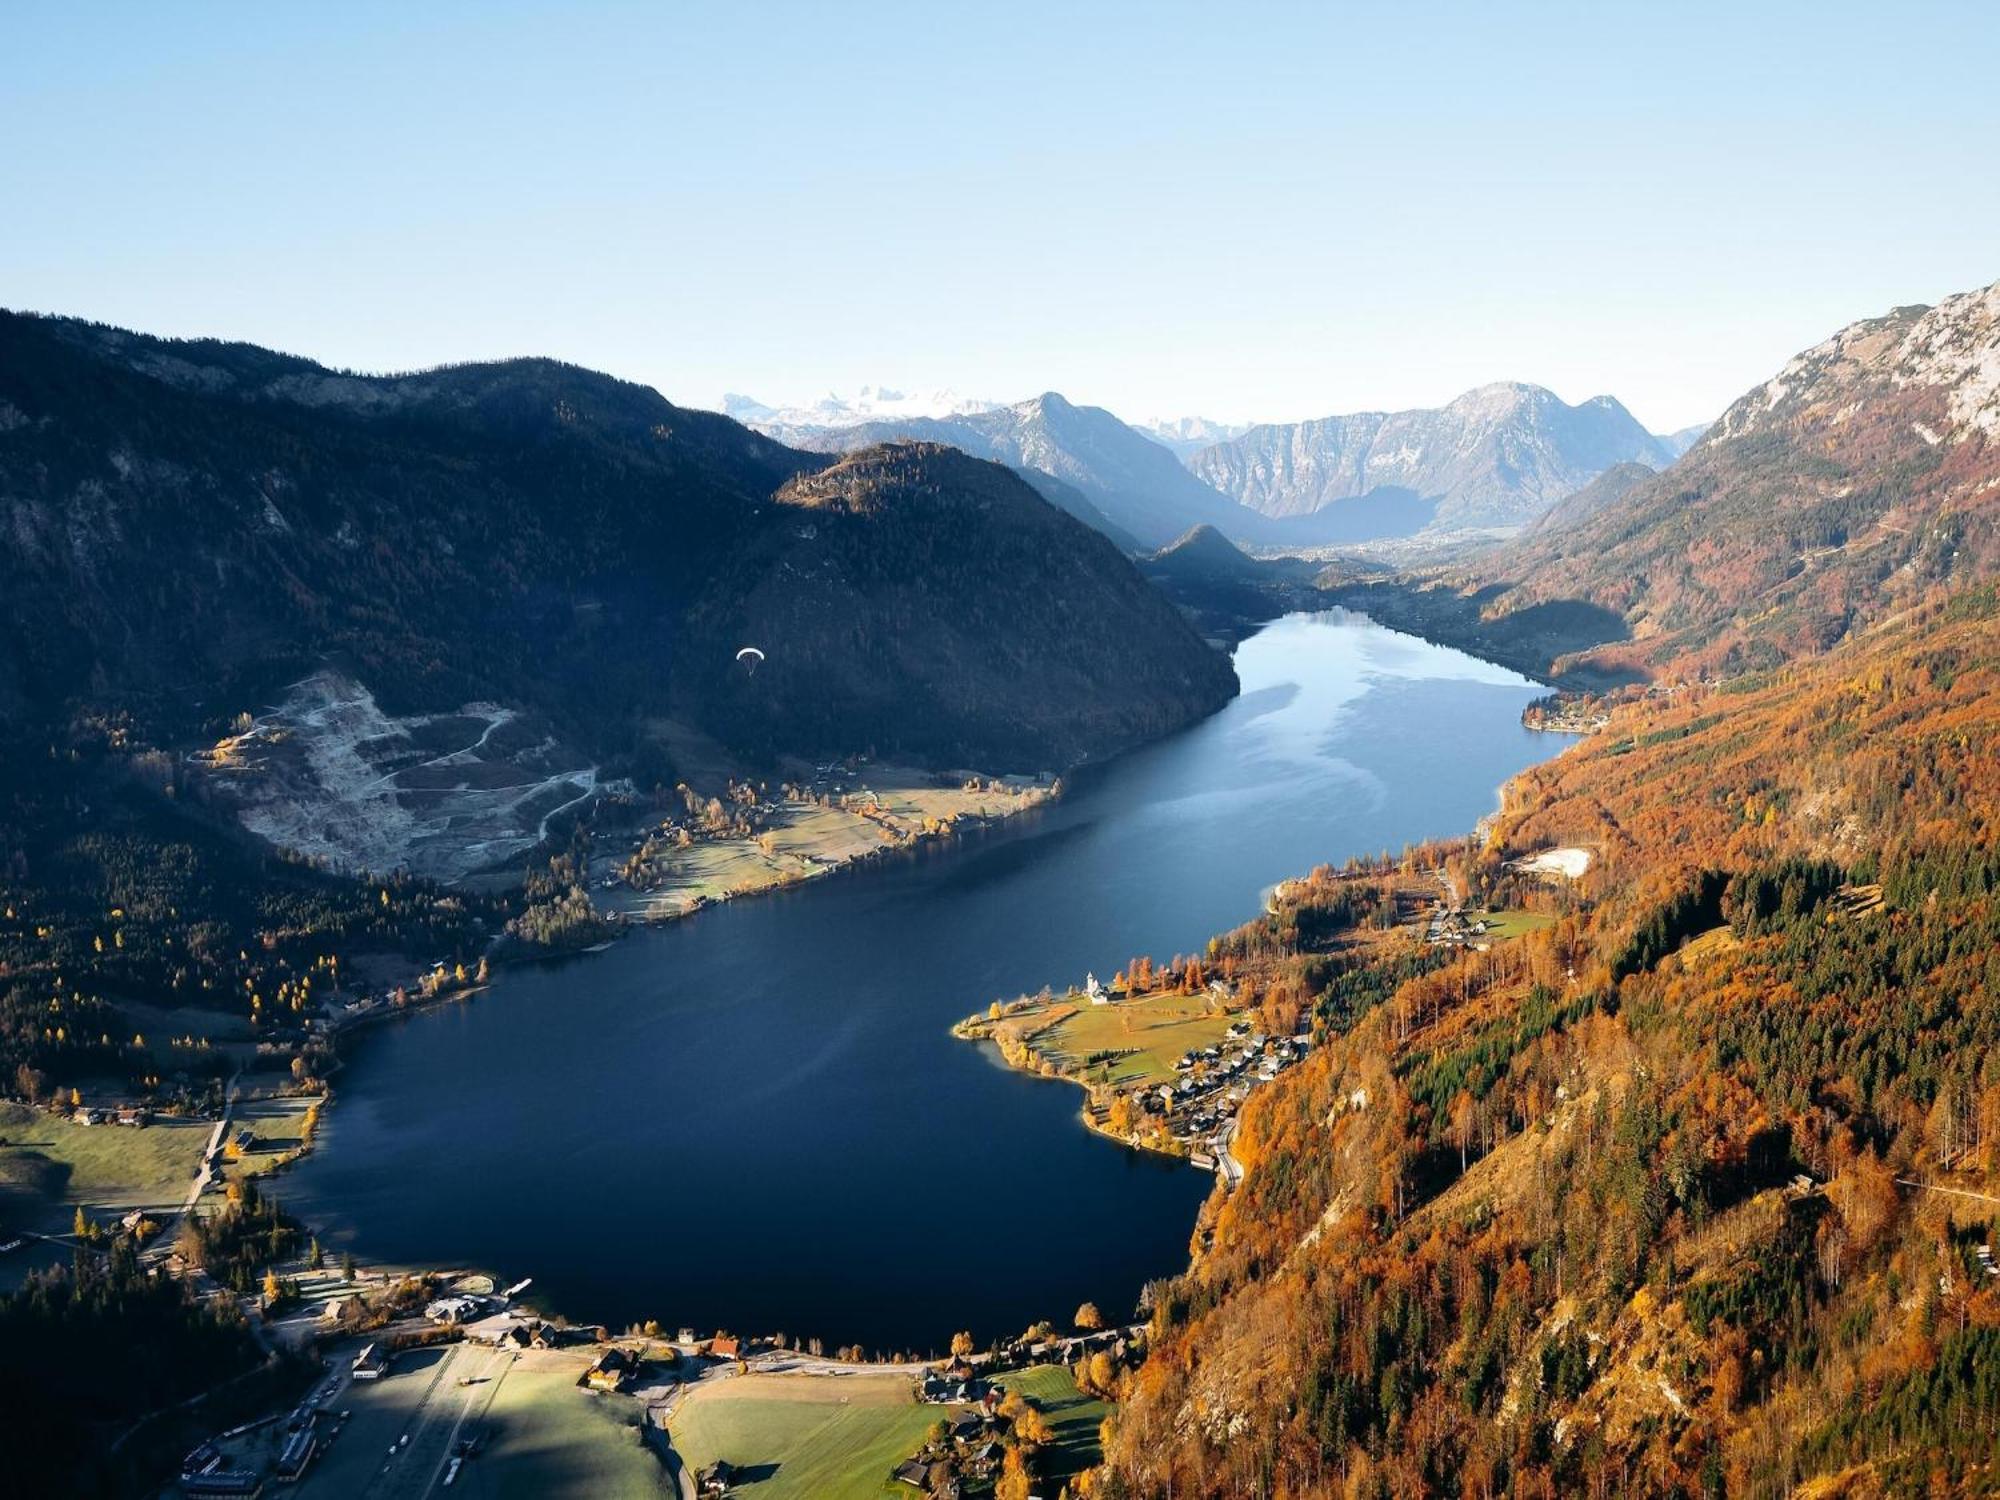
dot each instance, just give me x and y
(757, 1118)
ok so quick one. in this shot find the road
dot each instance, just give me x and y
(163, 1243)
(441, 1415)
(1226, 1165)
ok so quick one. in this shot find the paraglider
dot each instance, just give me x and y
(749, 659)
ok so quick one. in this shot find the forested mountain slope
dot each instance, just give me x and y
(1863, 474)
(1694, 1190)
(187, 526)
(1617, 1207)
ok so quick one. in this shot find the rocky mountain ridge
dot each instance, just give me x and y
(1499, 455)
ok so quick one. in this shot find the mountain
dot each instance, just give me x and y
(1680, 1178)
(1498, 456)
(1608, 487)
(1677, 443)
(872, 403)
(191, 526)
(1186, 436)
(1862, 474)
(1206, 554)
(1137, 485)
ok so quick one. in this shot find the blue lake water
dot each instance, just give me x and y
(757, 1119)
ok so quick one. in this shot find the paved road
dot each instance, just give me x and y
(417, 1468)
(1226, 1164)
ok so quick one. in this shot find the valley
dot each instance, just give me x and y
(1526, 1140)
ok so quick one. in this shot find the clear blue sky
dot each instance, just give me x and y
(1243, 211)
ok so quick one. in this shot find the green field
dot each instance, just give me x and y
(840, 1436)
(1512, 924)
(1075, 1417)
(277, 1127)
(48, 1164)
(550, 1439)
(807, 1436)
(1150, 1033)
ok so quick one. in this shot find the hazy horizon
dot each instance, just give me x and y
(1166, 213)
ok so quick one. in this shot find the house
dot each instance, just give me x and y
(614, 1370)
(726, 1346)
(1094, 990)
(371, 1363)
(455, 1309)
(244, 1139)
(716, 1478)
(915, 1473)
(298, 1452)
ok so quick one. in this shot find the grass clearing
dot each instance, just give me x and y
(1076, 1418)
(1513, 924)
(1151, 1033)
(550, 1439)
(1706, 945)
(805, 1436)
(838, 1436)
(277, 1129)
(805, 840)
(48, 1164)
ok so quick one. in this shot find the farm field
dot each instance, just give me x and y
(1152, 1032)
(549, 1440)
(801, 1437)
(47, 1164)
(1513, 924)
(277, 1128)
(839, 1436)
(806, 840)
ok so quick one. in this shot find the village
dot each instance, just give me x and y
(1169, 1053)
(421, 1377)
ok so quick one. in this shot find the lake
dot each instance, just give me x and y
(756, 1118)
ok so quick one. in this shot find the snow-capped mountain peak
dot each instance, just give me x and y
(871, 403)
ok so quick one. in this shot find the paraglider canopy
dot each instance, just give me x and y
(749, 659)
(750, 651)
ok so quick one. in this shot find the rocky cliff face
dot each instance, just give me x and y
(1497, 456)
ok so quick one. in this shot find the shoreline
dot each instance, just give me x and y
(504, 952)
(1029, 796)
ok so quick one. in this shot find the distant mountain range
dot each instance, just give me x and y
(1186, 436)
(1498, 456)
(187, 527)
(872, 403)
(1141, 492)
(1855, 481)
